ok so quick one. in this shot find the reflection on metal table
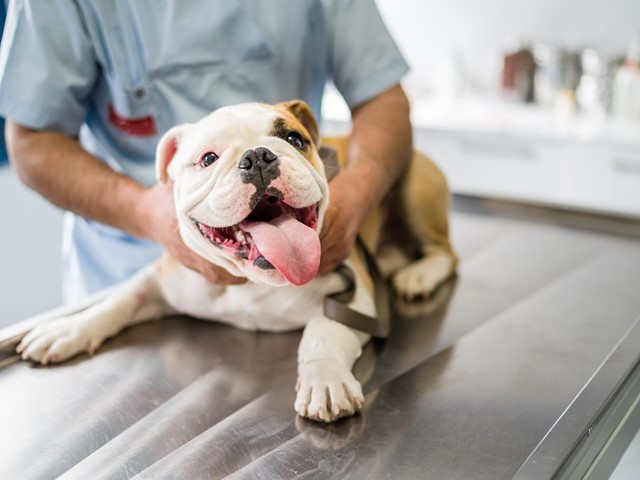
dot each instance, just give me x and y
(524, 366)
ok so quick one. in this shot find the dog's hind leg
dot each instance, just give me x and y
(424, 201)
(137, 300)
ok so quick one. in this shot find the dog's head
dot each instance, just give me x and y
(250, 189)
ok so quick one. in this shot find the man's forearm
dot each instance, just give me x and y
(58, 168)
(379, 149)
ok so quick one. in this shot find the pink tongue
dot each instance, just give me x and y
(290, 246)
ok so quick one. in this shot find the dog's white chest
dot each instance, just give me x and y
(251, 306)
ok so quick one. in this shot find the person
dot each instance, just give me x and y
(89, 87)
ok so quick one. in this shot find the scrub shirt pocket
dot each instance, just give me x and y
(175, 65)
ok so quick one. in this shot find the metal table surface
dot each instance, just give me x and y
(503, 374)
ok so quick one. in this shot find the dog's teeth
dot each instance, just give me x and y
(239, 236)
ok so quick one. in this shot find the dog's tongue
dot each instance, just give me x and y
(291, 247)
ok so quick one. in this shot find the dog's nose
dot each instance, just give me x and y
(259, 165)
(254, 158)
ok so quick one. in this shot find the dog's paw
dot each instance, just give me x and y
(57, 340)
(418, 280)
(327, 391)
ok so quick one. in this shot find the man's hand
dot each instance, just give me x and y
(340, 225)
(379, 151)
(158, 208)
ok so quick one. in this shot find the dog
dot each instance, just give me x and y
(251, 193)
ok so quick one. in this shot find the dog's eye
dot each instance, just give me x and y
(295, 139)
(207, 159)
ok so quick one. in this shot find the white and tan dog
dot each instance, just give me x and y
(251, 193)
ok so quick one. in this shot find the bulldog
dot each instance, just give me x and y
(250, 193)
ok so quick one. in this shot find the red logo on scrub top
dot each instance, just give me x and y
(137, 127)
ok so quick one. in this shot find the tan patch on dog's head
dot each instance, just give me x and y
(295, 118)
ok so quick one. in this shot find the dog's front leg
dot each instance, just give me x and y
(327, 389)
(134, 301)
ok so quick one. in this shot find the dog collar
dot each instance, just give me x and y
(329, 157)
(336, 306)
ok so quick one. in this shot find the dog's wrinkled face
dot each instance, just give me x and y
(250, 189)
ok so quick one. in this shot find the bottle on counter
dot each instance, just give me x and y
(518, 73)
(625, 103)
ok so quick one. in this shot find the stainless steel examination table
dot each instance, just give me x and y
(524, 366)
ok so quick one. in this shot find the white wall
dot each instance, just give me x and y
(437, 36)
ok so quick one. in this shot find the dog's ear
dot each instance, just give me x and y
(304, 114)
(166, 150)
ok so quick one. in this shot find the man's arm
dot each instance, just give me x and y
(379, 151)
(57, 167)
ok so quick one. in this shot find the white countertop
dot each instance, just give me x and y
(491, 116)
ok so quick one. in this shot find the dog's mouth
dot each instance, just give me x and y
(274, 235)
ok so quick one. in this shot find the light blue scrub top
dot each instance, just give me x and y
(120, 73)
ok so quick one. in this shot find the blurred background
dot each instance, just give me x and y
(533, 101)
